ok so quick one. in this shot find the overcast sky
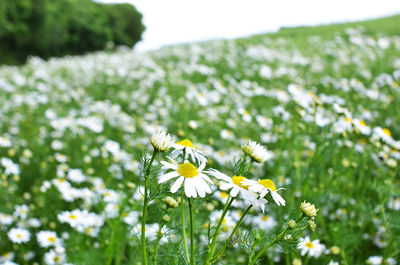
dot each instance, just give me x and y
(177, 21)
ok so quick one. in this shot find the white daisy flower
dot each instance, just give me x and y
(194, 181)
(187, 146)
(257, 152)
(264, 187)
(19, 235)
(313, 248)
(161, 141)
(47, 239)
(53, 257)
(265, 222)
(233, 184)
(6, 219)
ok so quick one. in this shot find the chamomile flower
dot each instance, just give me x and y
(313, 248)
(265, 186)
(19, 235)
(233, 184)
(161, 141)
(54, 257)
(187, 146)
(194, 181)
(47, 239)
(257, 152)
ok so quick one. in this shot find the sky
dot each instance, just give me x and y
(180, 21)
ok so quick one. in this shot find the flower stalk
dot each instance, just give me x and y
(145, 204)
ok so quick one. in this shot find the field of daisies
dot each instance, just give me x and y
(275, 149)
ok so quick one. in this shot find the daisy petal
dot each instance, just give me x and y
(177, 184)
(168, 176)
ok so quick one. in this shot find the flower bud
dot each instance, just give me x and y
(308, 209)
(292, 223)
(171, 202)
(312, 225)
(161, 141)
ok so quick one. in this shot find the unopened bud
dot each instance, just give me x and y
(292, 223)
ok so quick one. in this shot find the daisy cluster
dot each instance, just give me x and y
(326, 105)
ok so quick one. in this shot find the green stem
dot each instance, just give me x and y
(159, 236)
(234, 231)
(183, 228)
(145, 204)
(191, 232)
(211, 251)
(237, 226)
(276, 239)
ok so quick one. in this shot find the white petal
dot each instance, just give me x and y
(206, 178)
(199, 184)
(202, 166)
(226, 186)
(190, 190)
(193, 188)
(178, 146)
(234, 192)
(168, 176)
(177, 184)
(278, 199)
(218, 175)
(264, 192)
(167, 165)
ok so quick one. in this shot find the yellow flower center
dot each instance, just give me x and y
(52, 239)
(362, 123)
(387, 131)
(224, 194)
(56, 259)
(71, 216)
(267, 183)
(309, 245)
(186, 143)
(238, 181)
(187, 170)
(265, 217)
(19, 236)
(347, 119)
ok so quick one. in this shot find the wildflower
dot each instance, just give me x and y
(131, 218)
(335, 250)
(313, 248)
(235, 184)
(333, 263)
(21, 211)
(161, 141)
(265, 186)
(5, 219)
(5, 142)
(194, 181)
(55, 257)
(257, 152)
(308, 209)
(265, 222)
(19, 235)
(297, 262)
(47, 238)
(187, 146)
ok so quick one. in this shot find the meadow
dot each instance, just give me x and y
(87, 143)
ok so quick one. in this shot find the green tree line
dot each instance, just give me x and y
(49, 28)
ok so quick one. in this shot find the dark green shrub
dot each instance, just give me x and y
(53, 28)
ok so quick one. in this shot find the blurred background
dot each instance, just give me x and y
(47, 28)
